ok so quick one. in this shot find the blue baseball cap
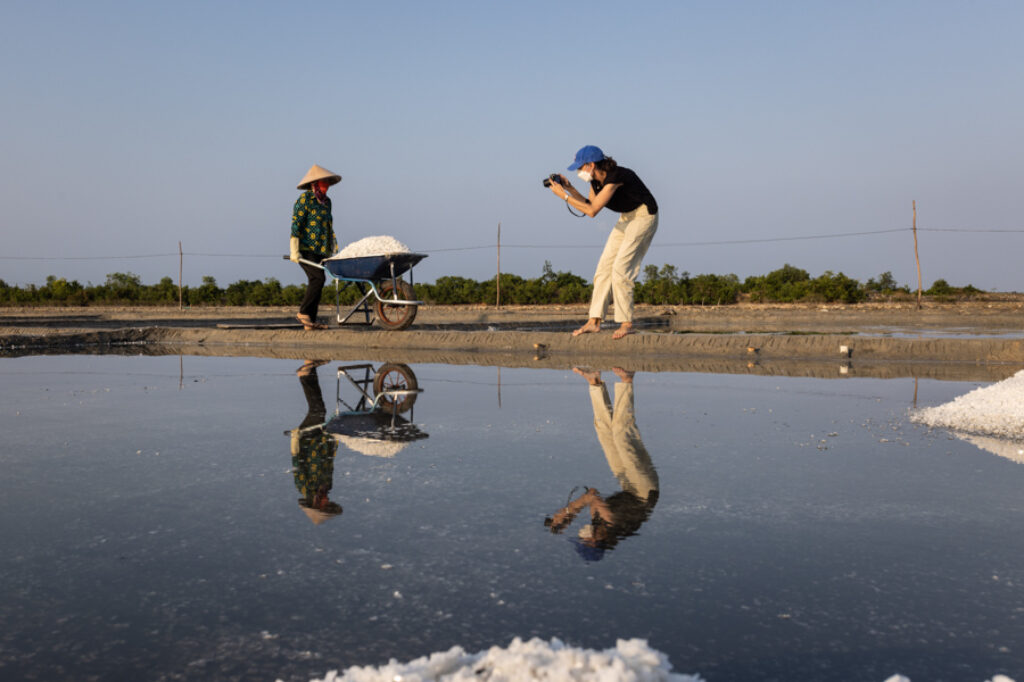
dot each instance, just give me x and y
(588, 154)
(587, 552)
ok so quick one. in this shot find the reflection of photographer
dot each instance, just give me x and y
(621, 190)
(621, 514)
(313, 451)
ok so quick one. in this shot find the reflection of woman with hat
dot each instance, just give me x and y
(313, 238)
(621, 514)
(618, 189)
(313, 451)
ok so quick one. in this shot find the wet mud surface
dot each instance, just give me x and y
(964, 341)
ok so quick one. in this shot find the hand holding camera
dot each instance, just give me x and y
(561, 188)
(555, 179)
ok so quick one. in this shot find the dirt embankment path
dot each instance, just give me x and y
(979, 340)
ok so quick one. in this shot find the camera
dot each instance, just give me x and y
(554, 177)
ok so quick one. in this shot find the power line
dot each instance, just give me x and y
(955, 229)
(145, 255)
(659, 244)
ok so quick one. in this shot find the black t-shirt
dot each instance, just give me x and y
(630, 195)
(630, 512)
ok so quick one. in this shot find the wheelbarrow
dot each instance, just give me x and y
(385, 296)
(373, 425)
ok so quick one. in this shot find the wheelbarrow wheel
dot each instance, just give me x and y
(392, 316)
(395, 377)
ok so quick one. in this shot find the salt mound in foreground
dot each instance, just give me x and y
(382, 245)
(996, 410)
(631, 660)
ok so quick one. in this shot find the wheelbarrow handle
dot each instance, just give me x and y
(307, 262)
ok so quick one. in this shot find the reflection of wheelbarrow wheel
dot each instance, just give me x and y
(395, 377)
(395, 316)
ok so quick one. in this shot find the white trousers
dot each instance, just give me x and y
(619, 264)
(620, 439)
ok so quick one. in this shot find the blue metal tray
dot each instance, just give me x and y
(372, 268)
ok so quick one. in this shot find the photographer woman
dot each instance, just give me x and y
(621, 190)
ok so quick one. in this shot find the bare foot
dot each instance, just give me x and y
(592, 326)
(624, 329)
(624, 375)
(308, 366)
(593, 378)
(308, 323)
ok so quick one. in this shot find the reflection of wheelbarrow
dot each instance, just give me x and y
(373, 425)
(377, 278)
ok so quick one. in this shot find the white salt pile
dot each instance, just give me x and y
(382, 245)
(996, 410)
(631, 660)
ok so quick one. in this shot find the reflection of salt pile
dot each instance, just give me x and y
(533, 660)
(371, 447)
(1013, 450)
(996, 410)
(372, 246)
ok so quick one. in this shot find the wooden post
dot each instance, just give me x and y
(917, 257)
(497, 280)
(180, 258)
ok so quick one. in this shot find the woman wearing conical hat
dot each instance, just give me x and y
(313, 238)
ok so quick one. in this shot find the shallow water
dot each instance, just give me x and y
(152, 529)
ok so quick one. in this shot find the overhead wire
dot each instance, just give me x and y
(480, 247)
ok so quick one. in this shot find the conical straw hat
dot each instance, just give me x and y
(319, 173)
(317, 516)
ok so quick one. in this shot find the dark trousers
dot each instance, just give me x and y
(316, 277)
(316, 411)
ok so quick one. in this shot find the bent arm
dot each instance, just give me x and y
(595, 203)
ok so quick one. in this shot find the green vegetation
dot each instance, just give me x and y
(663, 286)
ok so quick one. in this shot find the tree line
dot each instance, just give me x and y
(664, 285)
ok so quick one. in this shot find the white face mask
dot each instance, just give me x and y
(585, 176)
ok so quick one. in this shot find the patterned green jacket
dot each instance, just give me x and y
(313, 224)
(313, 467)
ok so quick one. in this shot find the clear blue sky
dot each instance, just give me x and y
(128, 126)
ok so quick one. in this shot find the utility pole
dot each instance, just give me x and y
(917, 257)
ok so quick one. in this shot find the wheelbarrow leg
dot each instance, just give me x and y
(337, 301)
(359, 307)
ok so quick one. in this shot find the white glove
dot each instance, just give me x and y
(293, 245)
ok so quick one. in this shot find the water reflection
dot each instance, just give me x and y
(621, 514)
(1012, 450)
(313, 450)
(369, 424)
(372, 423)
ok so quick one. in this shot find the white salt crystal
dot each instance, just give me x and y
(382, 245)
